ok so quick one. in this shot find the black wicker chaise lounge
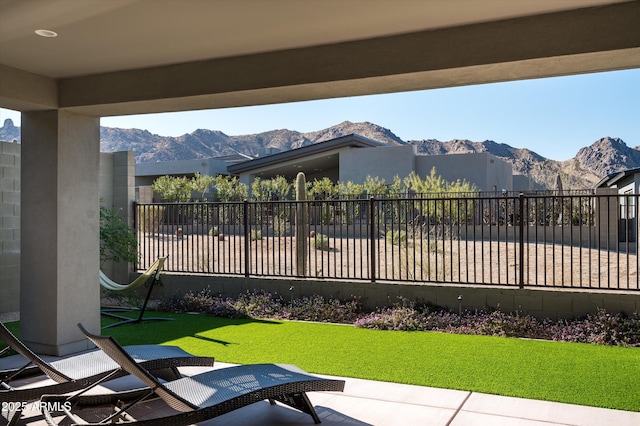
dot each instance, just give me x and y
(80, 371)
(202, 396)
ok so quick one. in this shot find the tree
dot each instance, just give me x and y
(261, 189)
(323, 188)
(350, 189)
(173, 189)
(435, 186)
(399, 186)
(201, 184)
(269, 189)
(280, 187)
(374, 186)
(117, 240)
(230, 188)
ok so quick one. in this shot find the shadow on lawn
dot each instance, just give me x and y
(157, 332)
(183, 325)
(209, 339)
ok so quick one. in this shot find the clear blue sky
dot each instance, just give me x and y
(554, 117)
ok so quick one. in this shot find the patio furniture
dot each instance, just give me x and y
(202, 396)
(80, 371)
(150, 276)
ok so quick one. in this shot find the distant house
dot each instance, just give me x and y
(627, 182)
(354, 157)
(347, 158)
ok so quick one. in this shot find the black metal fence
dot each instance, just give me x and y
(581, 241)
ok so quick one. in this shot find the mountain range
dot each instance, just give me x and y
(591, 163)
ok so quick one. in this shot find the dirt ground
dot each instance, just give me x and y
(456, 261)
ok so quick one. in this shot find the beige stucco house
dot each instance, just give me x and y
(353, 158)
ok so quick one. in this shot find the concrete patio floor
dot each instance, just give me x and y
(366, 402)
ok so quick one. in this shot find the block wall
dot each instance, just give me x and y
(116, 181)
(540, 303)
(9, 226)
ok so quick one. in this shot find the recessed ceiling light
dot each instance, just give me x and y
(46, 33)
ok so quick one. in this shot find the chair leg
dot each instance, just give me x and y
(299, 401)
(13, 416)
(168, 374)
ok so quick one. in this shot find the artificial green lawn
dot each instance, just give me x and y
(574, 373)
(601, 376)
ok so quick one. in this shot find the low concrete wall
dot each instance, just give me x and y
(541, 303)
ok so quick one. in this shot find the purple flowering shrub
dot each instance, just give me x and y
(317, 308)
(601, 328)
(202, 302)
(260, 304)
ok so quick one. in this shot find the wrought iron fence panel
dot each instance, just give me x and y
(556, 239)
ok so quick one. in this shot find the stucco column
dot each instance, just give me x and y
(59, 230)
(124, 169)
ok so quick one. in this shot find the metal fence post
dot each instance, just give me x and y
(247, 238)
(372, 246)
(521, 242)
(134, 206)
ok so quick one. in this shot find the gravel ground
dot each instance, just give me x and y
(454, 261)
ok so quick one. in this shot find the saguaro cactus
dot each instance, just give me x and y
(302, 221)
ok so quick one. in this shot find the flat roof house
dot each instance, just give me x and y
(627, 182)
(354, 157)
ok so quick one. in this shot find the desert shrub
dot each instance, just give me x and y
(320, 242)
(118, 241)
(498, 323)
(601, 328)
(280, 225)
(396, 237)
(256, 234)
(317, 308)
(396, 318)
(214, 231)
(204, 302)
(188, 302)
(150, 218)
(259, 304)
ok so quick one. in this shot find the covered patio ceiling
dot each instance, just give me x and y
(121, 57)
(131, 56)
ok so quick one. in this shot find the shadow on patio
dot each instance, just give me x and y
(366, 402)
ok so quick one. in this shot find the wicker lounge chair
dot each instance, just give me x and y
(151, 276)
(80, 371)
(203, 396)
